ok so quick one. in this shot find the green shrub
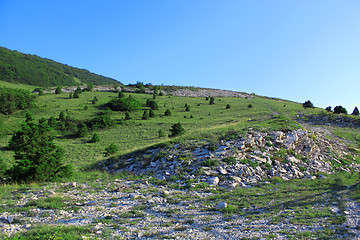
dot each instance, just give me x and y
(15, 99)
(83, 130)
(212, 101)
(110, 150)
(230, 160)
(250, 105)
(161, 133)
(37, 157)
(328, 109)
(340, 109)
(124, 104)
(127, 115)
(76, 94)
(121, 95)
(152, 104)
(211, 163)
(58, 90)
(152, 113)
(145, 115)
(95, 100)
(95, 138)
(52, 122)
(228, 106)
(187, 108)
(71, 96)
(176, 130)
(355, 112)
(308, 104)
(103, 120)
(167, 112)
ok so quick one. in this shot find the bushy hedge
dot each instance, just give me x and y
(13, 99)
(124, 104)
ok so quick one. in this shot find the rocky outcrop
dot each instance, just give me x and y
(246, 161)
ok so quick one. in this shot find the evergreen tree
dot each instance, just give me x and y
(78, 90)
(41, 92)
(37, 157)
(127, 115)
(161, 133)
(212, 101)
(111, 149)
(187, 108)
(228, 106)
(156, 90)
(121, 95)
(176, 130)
(308, 104)
(152, 113)
(340, 109)
(250, 105)
(145, 115)
(58, 90)
(76, 94)
(167, 112)
(83, 130)
(71, 96)
(28, 117)
(52, 122)
(61, 116)
(328, 109)
(95, 138)
(355, 112)
(95, 100)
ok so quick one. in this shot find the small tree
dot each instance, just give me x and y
(127, 115)
(110, 150)
(121, 95)
(58, 90)
(355, 112)
(250, 105)
(95, 138)
(152, 113)
(340, 109)
(156, 90)
(37, 157)
(154, 96)
(90, 87)
(61, 116)
(161, 93)
(212, 101)
(71, 96)
(161, 133)
(83, 130)
(228, 106)
(52, 122)
(328, 109)
(167, 112)
(176, 130)
(41, 92)
(187, 109)
(308, 104)
(76, 94)
(95, 100)
(145, 115)
(78, 90)
(28, 117)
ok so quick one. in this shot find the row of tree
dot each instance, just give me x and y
(338, 109)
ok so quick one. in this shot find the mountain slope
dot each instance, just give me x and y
(29, 69)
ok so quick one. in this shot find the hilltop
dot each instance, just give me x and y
(16, 67)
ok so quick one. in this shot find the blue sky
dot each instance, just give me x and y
(295, 50)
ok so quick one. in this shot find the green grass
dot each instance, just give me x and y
(209, 121)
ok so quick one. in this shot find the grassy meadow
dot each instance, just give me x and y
(202, 121)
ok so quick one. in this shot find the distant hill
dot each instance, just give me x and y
(30, 69)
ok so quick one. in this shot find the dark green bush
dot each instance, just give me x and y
(37, 157)
(355, 112)
(176, 130)
(110, 150)
(308, 104)
(15, 99)
(52, 122)
(212, 101)
(121, 95)
(152, 113)
(328, 109)
(340, 109)
(127, 115)
(145, 115)
(58, 90)
(167, 112)
(95, 138)
(250, 105)
(152, 104)
(76, 94)
(103, 120)
(83, 130)
(95, 100)
(124, 104)
(228, 106)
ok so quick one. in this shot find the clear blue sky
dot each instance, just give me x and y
(296, 50)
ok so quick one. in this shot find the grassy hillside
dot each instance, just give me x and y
(202, 121)
(29, 69)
